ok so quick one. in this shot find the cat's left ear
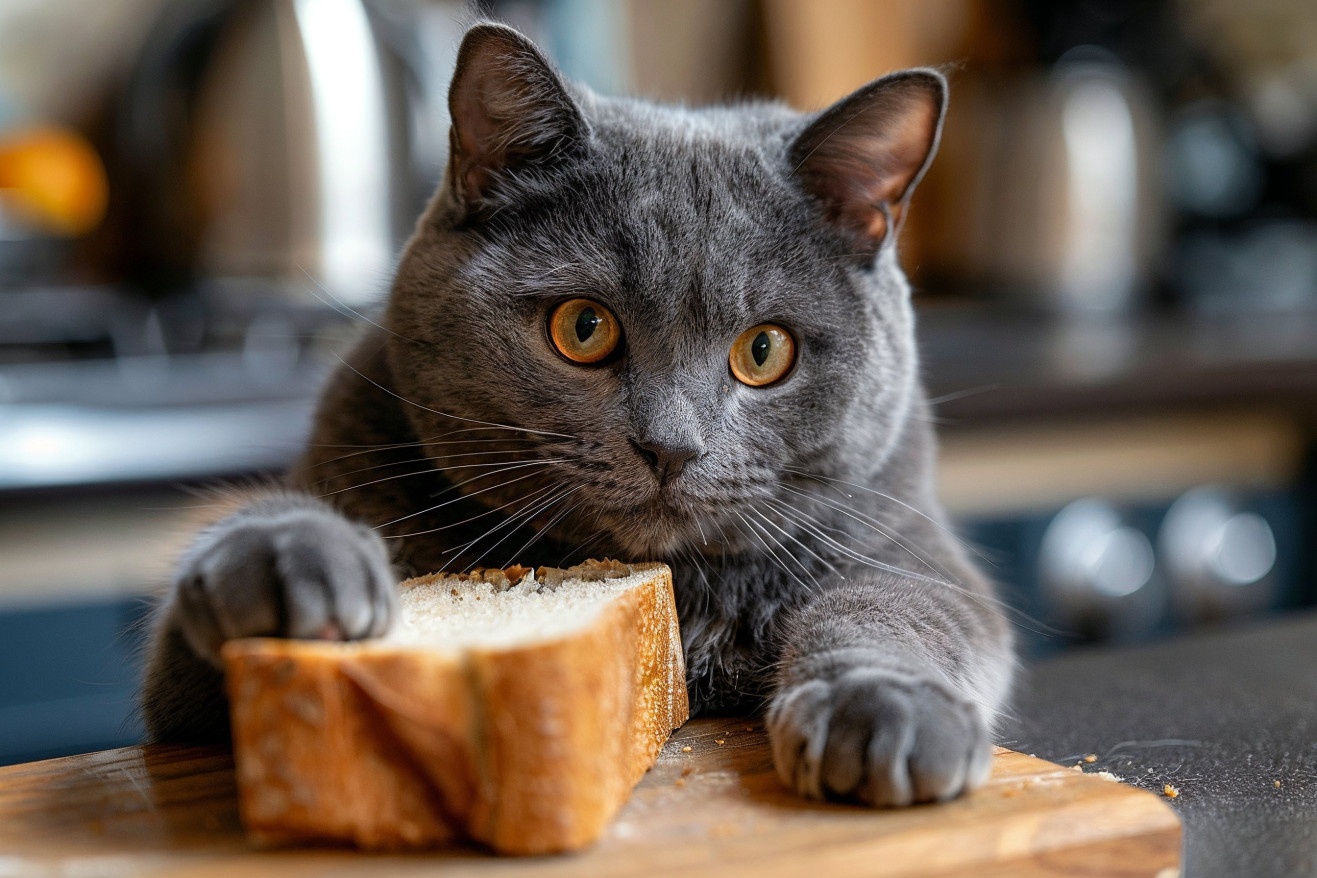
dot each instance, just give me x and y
(510, 110)
(863, 156)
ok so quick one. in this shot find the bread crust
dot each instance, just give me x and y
(528, 749)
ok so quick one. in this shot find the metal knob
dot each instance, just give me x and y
(1220, 556)
(1097, 572)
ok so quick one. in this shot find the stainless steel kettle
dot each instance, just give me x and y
(1059, 203)
(275, 140)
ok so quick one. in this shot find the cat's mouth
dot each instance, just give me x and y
(665, 525)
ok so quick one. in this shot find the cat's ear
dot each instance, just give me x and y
(509, 108)
(863, 156)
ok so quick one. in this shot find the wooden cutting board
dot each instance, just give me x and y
(716, 808)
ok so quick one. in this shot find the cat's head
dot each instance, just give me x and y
(637, 321)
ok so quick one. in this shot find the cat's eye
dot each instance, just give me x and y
(762, 355)
(584, 331)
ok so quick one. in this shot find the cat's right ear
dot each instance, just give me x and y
(862, 157)
(509, 109)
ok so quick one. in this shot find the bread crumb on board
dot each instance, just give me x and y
(686, 749)
(1091, 758)
(1169, 791)
(719, 741)
(1276, 783)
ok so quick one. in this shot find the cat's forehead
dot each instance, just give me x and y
(676, 218)
(700, 206)
(733, 156)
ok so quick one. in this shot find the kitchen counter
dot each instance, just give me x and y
(986, 365)
(711, 806)
(1229, 719)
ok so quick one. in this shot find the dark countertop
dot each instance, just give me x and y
(984, 364)
(243, 409)
(1222, 717)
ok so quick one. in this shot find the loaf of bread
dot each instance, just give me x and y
(515, 708)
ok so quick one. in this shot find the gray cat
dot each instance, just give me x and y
(651, 333)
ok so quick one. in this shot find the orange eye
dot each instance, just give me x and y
(762, 355)
(584, 331)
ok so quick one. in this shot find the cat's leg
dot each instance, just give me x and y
(283, 565)
(887, 691)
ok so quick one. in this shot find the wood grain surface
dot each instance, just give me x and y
(715, 809)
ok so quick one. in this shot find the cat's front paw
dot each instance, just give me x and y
(303, 572)
(877, 737)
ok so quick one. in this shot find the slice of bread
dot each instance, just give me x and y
(514, 708)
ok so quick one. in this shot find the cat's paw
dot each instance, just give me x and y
(301, 572)
(877, 737)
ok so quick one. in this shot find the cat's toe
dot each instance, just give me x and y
(331, 582)
(884, 740)
(797, 730)
(303, 575)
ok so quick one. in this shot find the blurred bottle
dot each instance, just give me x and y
(1243, 149)
(1248, 241)
(1060, 204)
(52, 181)
(52, 193)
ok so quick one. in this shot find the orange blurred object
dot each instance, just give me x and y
(52, 180)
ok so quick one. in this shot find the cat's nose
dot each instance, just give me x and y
(667, 459)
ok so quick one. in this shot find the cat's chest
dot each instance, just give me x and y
(729, 610)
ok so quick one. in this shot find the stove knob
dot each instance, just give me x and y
(1220, 556)
(1096, 572)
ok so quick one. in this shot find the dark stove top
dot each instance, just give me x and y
(98, 384)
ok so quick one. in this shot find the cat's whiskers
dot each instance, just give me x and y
(868, 521)
(722, 534)
(441, 469)
(889, 498)
(707, 592)
(580, 549)
(700, 528)
(512, 523)
(701, 564)
(825, 562)
(567, 510)
(477, 516)
(813, 526)
(460, 496)
(423, 443)
(780, 563)
(534, 286)
(688, 554)
(961, 394)
(491, 424)
(339, 305)
(436, 459)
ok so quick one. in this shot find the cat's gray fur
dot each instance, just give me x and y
(813, 575)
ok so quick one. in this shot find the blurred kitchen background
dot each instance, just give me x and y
(1115, 256)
